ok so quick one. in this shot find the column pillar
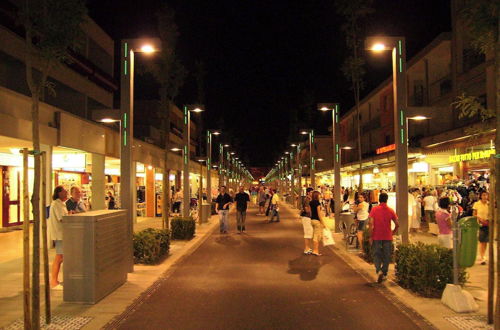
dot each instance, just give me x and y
(48, 174)
(98, 182)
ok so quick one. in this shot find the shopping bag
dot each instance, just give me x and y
(329, 222)
(328, 237)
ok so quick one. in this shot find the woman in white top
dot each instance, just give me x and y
(361, 216)
(57, 211)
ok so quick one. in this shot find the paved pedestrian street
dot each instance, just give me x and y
(261, 280)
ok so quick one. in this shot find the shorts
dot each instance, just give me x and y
(317, 230)
(59, 246)
(262, 204)
(361, 225)
(308, 228)
(484, 234)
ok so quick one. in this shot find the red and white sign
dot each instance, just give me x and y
(385, 149)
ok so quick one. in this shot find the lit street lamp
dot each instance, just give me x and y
(187, 147)
(209, 163)
(310, 133)
(334, 108)
(127, 170)
(398, 47)
(202, 160)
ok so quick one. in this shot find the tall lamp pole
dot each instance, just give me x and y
(210, 133)
(127, 168)
(398, 48)
(334, 108)
(299, 173)
(312, 167)
(187, 147)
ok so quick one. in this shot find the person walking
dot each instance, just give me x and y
(223, 202)
(274, 206)
(75, 204)
(241, 199)
(361, 210)
(381, 235)
(176, 208)
(443, 219)
(305, 216)
(481, 210)
(261, 198)
(111, 201)
(317, 222)
(430, 208)
(57, 211)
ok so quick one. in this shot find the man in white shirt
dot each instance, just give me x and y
(361, 216)
(430, 208)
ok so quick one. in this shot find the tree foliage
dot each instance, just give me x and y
(481, 19)
(354, 12)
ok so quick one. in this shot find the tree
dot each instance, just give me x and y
(353, 12)
(481, 17)
(52, 27)
(170, 73)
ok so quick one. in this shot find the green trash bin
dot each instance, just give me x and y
(467, 250)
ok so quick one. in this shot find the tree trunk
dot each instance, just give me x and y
(26, 244)
(497, 174)
(35, 201)
(45, 245)
(360, 153)
(165, 104)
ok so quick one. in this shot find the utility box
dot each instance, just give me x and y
(96, 255)
(467, 249)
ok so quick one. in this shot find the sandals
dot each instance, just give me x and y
(308, 252)
(316, 254)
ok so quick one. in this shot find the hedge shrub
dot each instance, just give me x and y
(425, 268)
(150, 245)
(183, 228)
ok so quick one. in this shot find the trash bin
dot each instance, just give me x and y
(467, 249)
(205, 212)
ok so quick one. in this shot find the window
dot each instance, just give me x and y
(472, 58)
(418, 93)
(445, 87)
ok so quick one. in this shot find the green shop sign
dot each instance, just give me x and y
(472, 156)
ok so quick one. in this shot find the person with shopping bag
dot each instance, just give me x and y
(305, 216)
(317, 222)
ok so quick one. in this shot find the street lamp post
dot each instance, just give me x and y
(200, 188)
(334, 108)
(187, 147)
(127, 170)
(209, 163)
(298, 168)
(312, 167)
(398, 47)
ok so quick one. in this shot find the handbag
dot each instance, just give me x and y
(327, 237)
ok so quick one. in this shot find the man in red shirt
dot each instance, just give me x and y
(381, 235)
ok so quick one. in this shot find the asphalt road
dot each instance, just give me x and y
(261, 280)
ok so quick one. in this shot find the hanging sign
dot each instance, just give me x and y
(385, 149)
(482, 154)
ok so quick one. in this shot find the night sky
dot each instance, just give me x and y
(267, 59)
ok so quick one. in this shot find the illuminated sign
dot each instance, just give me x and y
(482, 154)
(385, 149)
(68, 161)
